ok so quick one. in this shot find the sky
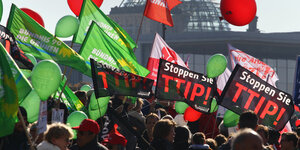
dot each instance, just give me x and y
(273, 15)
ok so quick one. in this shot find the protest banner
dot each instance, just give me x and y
(34, 39)
(246, 91)
(161, 50)
(177, 83)
(253, 64)
(109, 80)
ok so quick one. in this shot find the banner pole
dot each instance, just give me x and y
(139, 31)
(24, 127)
(64, 74)
(164, 28)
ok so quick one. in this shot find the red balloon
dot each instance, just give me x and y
(191, 114)
(238, 12)
(34, 15)
(75, 5)
(297, 123)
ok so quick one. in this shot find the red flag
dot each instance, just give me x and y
(160, 10)
(161, 49)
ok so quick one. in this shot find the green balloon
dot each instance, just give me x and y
(231, 119)
(85, 88)
(31, 103)
(66, 26)
(26, 72)
(95, 114)
(213, 106)
(180, 107)
(103, 101)
(45, 78)
(31, 58)
(74, 120)
(216, 65)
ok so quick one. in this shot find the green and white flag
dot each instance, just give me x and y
(90, 12)
(23, 85)
(102, 48)
(8, 96)
(34, 39)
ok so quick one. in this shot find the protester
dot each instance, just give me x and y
(160, 112)
(248, 119)
(18, 139)
(274, 136)
(199, 142)
(220, 139)
(87, 133)
(289, 141)
(212, 143)
(182, 138)
(147, 135)
(57, 137)
(163, 135)
(247, 139)
(116, 141)
(263, 131)
(35, 137)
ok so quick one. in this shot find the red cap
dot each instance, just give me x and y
(88, 125)
(117, 138)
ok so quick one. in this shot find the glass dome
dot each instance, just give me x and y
(203, 15)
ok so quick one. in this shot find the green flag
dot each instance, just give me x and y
(90, 12)
(23, 86)
(69, 98)
(99, 46)
(8, 96)
(34, 39)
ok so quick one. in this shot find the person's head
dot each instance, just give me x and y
(247, 139)
(212, 143)
(161, 112)
(198, 138)
(164, 129)
(87, 131)
(274, 136)
(82, 95)
(289, 141)
(59, 134)
(248, 119)
(150, 121)
(263, 131)
(220, 139)
(182, 134)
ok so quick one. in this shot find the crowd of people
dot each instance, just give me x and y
(145, 124)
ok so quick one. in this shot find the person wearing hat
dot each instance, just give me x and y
(87, 133)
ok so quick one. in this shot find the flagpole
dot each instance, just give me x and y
(164, 31)
(139, 31)
(62, 90)
(24, 127)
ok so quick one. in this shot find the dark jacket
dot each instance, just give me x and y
(199, 147)
(15, 141)
(161, 144)
(93, 145)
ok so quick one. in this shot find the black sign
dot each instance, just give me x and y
(110, 81)
(246, 91)
(177, 83)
